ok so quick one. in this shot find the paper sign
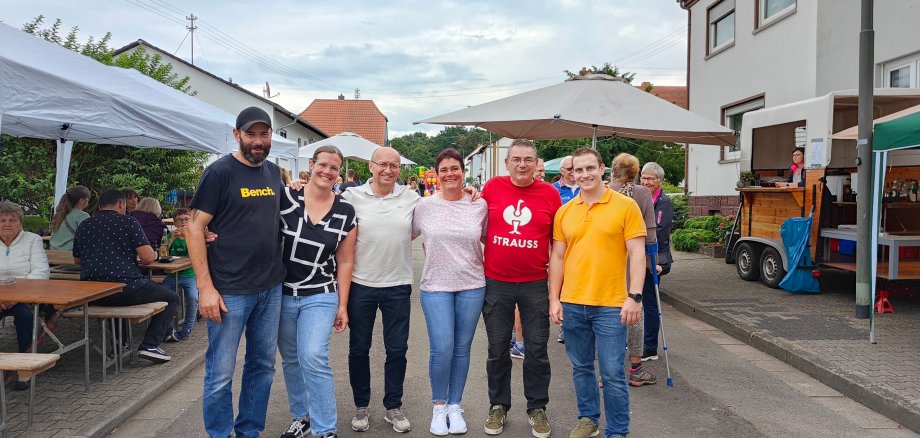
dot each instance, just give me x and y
(818, 153)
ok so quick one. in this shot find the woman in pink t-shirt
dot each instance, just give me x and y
(453, 286)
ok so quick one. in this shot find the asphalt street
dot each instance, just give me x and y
(722, 387)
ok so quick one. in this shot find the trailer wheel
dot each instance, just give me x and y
(747, 262)
(771, 267)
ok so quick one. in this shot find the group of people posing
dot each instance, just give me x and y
(292, 264)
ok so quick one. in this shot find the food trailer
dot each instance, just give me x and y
(769, 136)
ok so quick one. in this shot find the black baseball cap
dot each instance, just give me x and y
(250, 116)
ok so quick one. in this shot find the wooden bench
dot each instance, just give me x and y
(27, 365)
(114, 316)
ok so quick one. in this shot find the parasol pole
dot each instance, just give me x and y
(594, 137)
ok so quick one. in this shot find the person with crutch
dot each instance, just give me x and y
(652, 177)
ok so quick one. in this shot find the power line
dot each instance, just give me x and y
(675, 34)
(180, 44)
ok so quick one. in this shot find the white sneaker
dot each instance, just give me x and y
(439, 420)
(455, 418)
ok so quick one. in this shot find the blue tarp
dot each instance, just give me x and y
(796, 235)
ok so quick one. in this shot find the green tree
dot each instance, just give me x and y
(27, 165)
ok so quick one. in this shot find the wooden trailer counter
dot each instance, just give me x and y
(765, 209)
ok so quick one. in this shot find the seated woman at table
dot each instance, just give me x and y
(67, 217)
(22, 255)
(148, 213)
(796, 170)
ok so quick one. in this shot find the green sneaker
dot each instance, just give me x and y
(642, 377)
(539, 424)
(586, 428)
(495, 423)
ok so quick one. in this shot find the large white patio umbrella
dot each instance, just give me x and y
(353, 147)
(589, 106)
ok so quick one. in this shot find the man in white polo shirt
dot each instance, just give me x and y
(382, 279)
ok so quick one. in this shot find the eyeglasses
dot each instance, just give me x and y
(180, 220)
(649, 178)
(567, 169)
(392, 166)
(525, 160)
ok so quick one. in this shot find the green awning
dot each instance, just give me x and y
(900, 133)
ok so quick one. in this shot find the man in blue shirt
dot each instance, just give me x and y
(108, 246)
(566, 184)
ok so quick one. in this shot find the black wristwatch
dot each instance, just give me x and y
(637, 297)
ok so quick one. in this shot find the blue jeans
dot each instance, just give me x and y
(451, 318)
(363, 302)
(303, 339)
(190, 286)
(22, 320)
(258, 314)
(585, 327)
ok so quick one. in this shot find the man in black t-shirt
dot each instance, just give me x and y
(239, 275)
(108, 246)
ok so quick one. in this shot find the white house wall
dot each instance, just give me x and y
(758, 63)
(838, 40)
(807, 54)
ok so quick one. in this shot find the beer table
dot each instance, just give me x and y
(177, 264)
(62, 294)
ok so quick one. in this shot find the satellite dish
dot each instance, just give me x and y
(268, 91)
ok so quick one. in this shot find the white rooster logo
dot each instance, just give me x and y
(517, 216)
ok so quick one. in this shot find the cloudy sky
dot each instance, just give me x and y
(415, 59)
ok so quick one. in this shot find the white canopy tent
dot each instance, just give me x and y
(49, 92)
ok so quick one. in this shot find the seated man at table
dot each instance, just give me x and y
(108, 246)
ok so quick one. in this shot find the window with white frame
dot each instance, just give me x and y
(721, 25)
(771, 10)
(731, 117)
(898, 77)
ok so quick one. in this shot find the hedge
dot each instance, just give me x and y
(689, 239)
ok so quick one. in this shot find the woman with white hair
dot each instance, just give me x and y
(22, 255)
(652, 177)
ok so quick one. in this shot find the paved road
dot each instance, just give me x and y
(722, 387)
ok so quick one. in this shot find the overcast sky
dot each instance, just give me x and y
(415, 59)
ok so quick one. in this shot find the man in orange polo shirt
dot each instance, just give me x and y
(595, 237)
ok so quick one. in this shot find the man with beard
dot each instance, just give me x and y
(239, 276)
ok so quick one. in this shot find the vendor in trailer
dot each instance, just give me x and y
(796, 170)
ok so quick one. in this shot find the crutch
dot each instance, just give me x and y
(651, 250)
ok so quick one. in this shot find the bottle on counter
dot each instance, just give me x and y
(913, 191)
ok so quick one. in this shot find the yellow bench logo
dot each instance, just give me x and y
(247, 193)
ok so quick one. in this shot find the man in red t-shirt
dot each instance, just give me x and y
(517, 246)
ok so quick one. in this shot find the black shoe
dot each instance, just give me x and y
(21, 386)
(648, 355)
(153, 354)
(298, 429)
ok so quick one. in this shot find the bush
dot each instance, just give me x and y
(35, 224)
(710, 223)
(689, 239)
(667, 187)
(681, 211)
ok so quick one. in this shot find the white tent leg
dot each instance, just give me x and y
(64, 151)
(878, 182)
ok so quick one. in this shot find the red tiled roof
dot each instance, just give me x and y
(674, 94)
(335, 116)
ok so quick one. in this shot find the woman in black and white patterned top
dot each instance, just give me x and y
(318, 232)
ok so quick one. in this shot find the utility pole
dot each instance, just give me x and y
(191, 28)
(864, 164)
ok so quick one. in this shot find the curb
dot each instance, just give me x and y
(138, 400)
(862, 391)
